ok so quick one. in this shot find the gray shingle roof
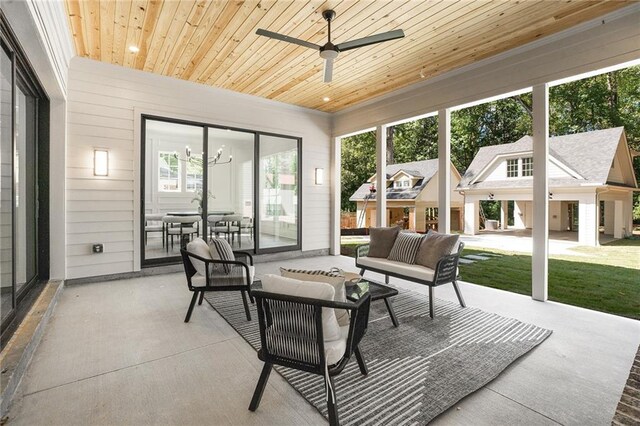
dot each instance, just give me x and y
(589, 154)
(425, 169)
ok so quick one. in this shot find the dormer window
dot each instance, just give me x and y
(527, 166)
(512, 167)
(402, 183)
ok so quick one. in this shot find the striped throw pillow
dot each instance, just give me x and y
(406, 247)
(221, 250)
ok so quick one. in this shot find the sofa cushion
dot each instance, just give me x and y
(381, 241)
(434, 247)
(309, 289)
(220, 249)
(237, 276)
(336, 280)
(405, 247)
(400, 268)
(200, 248)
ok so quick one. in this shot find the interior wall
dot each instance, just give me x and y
(104, 107)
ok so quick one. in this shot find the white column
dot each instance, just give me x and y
(618, 219)
(381, 175)
(471, 211)
(336, 167)
(609, 209)
(444, 171)
(540, 232)
(588, 220)
(519, 212)
(628, 215)
(504, 214)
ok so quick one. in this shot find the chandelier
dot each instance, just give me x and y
(211, 161)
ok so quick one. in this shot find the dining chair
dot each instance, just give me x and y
(181, 226)
(153, 223)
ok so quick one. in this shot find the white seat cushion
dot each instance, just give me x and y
(311, 290)
(200, 248)
(400, 268)
(334, 351)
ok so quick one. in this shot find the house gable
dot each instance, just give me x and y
(621, 170)
(515, 163)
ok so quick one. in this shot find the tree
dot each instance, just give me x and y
(358, 165)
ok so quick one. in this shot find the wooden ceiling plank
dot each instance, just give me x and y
(246, 47)
(136, 19)
(151, 22)
(177, 26)
(413, 17)
(310, 29)
(243, 22)
(107, 24)
(76, 24)
(254, 57)
(163, 25)
(122, 13)
(91, 12)
(216, 29)
(368, 92)
(198, 12)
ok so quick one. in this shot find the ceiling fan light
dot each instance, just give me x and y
(328, 54)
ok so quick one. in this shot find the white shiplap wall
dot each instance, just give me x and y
(104, 105)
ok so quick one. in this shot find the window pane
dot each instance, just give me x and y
(25, 190)
(278, 186)
(231, 186)
(173, 187)
(6, 222)
(527, 166)
(512, 168)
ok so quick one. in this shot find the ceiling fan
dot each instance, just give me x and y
(330, 51)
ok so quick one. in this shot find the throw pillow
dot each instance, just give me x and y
(434, 247)
(405, 248)
(200, 248)
(312, 290)
(336, 280)
(381, 241)
(220, 249)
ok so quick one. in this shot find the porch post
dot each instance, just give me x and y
(540, 232)
(444, 171)
(381, 175)
(471, 211)
(618, 219)
(504, 214)
(336, 166)
(588, 220)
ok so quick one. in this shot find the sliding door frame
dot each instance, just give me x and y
(205, 184)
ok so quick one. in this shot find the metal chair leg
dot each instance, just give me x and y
(246, 305)
(392, 314)
(431, 301)
(191, 305)
(457, 289)
(361, 363)
(332, 404)
(201, 298)
(386, 279)
(262, 383)
(362, 272)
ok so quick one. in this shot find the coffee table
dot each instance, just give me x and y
(377, 290)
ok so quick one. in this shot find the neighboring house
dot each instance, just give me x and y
(412, 186)
(590, 174)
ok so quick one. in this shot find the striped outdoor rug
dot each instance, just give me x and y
(416, 371)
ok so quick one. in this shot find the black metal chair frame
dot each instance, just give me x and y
(190, 271)
(446, 272)
(307, 326)
(182, 234)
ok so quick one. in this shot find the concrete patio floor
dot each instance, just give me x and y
(118, 352)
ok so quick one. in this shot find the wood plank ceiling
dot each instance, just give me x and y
(214, 42)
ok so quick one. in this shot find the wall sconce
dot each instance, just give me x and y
(319, 176)
(551, 195)
(491, 196)
(100, 162)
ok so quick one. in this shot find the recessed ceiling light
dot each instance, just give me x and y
(326, 99)
(134, 49)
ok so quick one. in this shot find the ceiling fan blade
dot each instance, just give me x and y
(288, 39)
(366, 41)
(328, 70)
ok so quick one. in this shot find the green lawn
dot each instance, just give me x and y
(605, 278)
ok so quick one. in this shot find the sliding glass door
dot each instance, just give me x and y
(201, 180)
(279, 192)
(6, 187)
